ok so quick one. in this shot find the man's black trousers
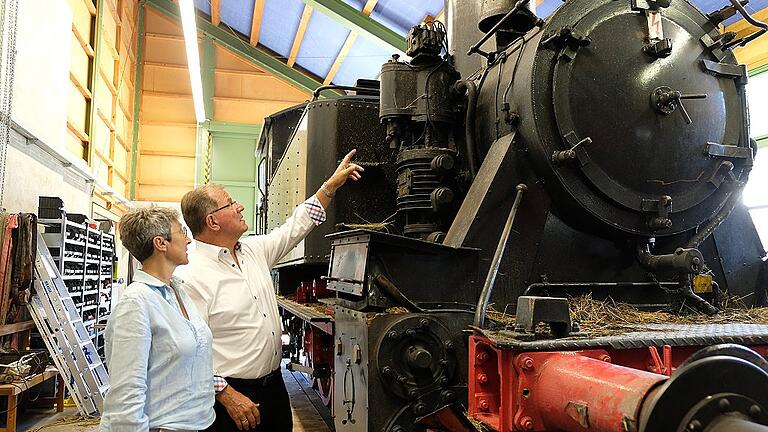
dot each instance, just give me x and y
(274, 405)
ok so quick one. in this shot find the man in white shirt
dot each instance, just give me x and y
(229, 281)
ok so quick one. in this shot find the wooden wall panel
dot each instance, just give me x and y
(255, 86)
(755, 54)
(81, 17)
(101, 139)
(120, 185)
(74, 146)
(168, 124)
(242, 94)
(156, 22)
(246, 111)
(167, 170)
(227, 60)
(100, 168)
(163, 50)
(120, 159)
(163, 193)
(167, 109)
(169, 139)
(166, 79)
(78, 62)
(77, 108)
(126, 94)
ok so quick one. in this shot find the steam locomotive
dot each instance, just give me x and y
(518, 163)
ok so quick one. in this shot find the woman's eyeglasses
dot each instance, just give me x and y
(184, 231)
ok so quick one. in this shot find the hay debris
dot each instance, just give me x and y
(610, 318)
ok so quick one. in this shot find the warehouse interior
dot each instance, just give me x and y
(108, 106)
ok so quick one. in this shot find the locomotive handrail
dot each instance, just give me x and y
(747, 16)
(750, 19)
(485, 295)
(476, 47)
(320, 89)
(469, 123)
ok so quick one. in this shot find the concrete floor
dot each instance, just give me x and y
(305, 416)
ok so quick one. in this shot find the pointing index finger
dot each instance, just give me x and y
(349, 156)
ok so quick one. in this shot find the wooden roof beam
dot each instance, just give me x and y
(743, 28)
(258, 15)
(351, 38)
(300, 32)
(228, 40)
(216, 12)
(369, 6)
(353, 19)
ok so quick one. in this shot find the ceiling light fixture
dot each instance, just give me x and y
(187, 9)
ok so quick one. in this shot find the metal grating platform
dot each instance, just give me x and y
(650, 335)
(320, 320)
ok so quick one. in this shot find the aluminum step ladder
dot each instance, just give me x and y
(56, 316)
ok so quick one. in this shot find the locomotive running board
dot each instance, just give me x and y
(648, 335)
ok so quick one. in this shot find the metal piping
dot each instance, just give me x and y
(469, 122)
(317, 91)
(747, 16)
(476, 47)
(722, 215)
(485, 295)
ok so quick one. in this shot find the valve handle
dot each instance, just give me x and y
(665, 100)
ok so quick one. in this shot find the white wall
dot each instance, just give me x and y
(41, 83)
(32, 173)
(42, 69)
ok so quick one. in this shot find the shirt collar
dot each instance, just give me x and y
(147, 279)
(212, 251)
(153, 282)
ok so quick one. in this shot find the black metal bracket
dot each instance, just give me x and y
(737, 72)
(723, 173)
(576, 150)
(644, 5)
(659, 49)
(567, 41)
(553, 311)
(727, 151)
(717, 45)
(661, 208)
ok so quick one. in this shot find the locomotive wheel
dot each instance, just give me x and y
(322, 385)
(718, 384)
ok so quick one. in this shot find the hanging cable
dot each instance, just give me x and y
(7, 70)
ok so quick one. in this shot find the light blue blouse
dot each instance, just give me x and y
(160, 364)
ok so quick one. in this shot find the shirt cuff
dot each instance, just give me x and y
(219, 384)
(315, 210)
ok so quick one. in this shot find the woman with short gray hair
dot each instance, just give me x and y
(158, 349)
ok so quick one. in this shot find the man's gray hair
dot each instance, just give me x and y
(197, 204)
(140, 226)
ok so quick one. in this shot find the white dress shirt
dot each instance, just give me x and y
(239, 303)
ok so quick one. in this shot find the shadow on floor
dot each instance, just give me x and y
(305, 415)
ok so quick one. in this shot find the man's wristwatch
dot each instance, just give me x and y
(326, 191)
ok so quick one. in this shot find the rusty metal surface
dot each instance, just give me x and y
(646, 336)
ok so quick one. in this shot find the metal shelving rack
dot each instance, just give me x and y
(84, 257)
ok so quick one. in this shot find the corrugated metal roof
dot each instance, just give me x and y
(325, 37)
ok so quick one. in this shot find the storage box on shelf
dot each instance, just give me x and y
(84, 256)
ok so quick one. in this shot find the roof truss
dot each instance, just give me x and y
(235, 44)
